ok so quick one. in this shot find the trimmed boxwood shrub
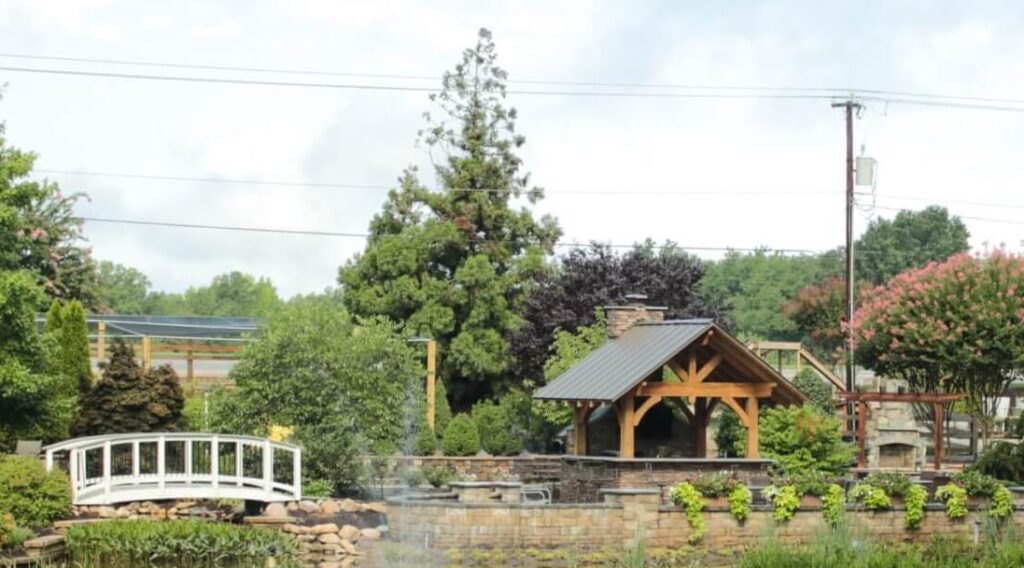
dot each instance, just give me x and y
(461, 437)
(32, 495)
(495, 429)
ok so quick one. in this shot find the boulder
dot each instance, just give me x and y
(329, 538)
(309, 507)
(275, 510)
(106, 512)
(330, 507)
(350, 506)
(370, 534)
(377, 507)
(349, 548)
(349, 532)
(294, 529)
(324, 528)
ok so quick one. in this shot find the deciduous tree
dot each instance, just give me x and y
(122, 289)
(909, 240)
(955, 326)
(586, 279)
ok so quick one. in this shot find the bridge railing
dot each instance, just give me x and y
(123, 467)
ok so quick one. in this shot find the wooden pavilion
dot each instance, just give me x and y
(648, 361)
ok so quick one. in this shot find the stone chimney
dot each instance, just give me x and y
(621, 318)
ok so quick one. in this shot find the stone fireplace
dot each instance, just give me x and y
(894, 439)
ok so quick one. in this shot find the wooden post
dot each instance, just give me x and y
(937, 431)
(700, 430)
(799, 356)
(101, 340)
(431, 381)
(626, 428)
(752, 427)
(779, 359)
(190, 374)
(862, 415)
(146, 354)
(579, 426)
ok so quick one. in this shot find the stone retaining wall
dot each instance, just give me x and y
(527, 468)
(625, 513)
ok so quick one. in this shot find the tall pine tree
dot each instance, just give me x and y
(456, 263)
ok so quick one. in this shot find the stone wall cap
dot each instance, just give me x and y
(43, 541)
(485, 484)
(628, 491)
(655, 461)
(637, 308)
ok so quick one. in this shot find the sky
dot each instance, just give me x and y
(702, 172)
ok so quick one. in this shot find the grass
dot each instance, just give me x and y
(180, 543)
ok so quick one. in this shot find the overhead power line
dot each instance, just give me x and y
(968, 217)
(308, 232)
(832, 91)
(333, 185)
(642, 190)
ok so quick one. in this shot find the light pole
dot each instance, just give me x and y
(431, 376)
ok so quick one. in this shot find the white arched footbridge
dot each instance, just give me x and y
(119, 468)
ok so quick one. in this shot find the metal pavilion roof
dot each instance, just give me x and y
(620, 364)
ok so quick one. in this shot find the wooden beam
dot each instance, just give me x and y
(692, 368)
(739, 410)
(626, 427)
(580, 430)
(678, 370)
(937, 430)
(862, 417)
(707, 338)
(901, 396)
(752, 427)
(775, 345)
(700, 430)
(713, 390)
(822, 368)
(708, 368)
(712, 403)
(647, 405)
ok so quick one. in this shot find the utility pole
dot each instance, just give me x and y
(849, 106)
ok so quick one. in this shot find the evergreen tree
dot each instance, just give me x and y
(127, 399)
(54, 318)
(456, 264)
(74, 347)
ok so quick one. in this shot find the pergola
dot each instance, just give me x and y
(706, 367)
(936, 399)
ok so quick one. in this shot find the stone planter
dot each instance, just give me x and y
(717, 502)
(979, 502)
(810, 502)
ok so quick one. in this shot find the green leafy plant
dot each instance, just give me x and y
(461, 437)
(1002, 503)
(412, 477)
(872, 497)
(715, 484)
(784, 499)
(439, 476)
(914, 500)
(179, 543)
(955, 498)
(833, 504)
(426, 440)
(689, 497)
(810, 483)
(817, 391)
(894, 484)
(740, 499)
(318, 488)
(976, 483)
(32, 495)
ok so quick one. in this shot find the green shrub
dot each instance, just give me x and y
(818, 393)
(1002, 503)
(730, 435)
(18, 536)
(329, 453)
(802, 440)
(894, 484)
(412, 477)
(873, 498)
(461, 437)
(32, 495)
(976, 483)
(439, 476)
(1002, 460)
(494, 427)
(426, 440)
(810, 483)
(784, 499)
(318, 488)
(7, 527)
(185, 543)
